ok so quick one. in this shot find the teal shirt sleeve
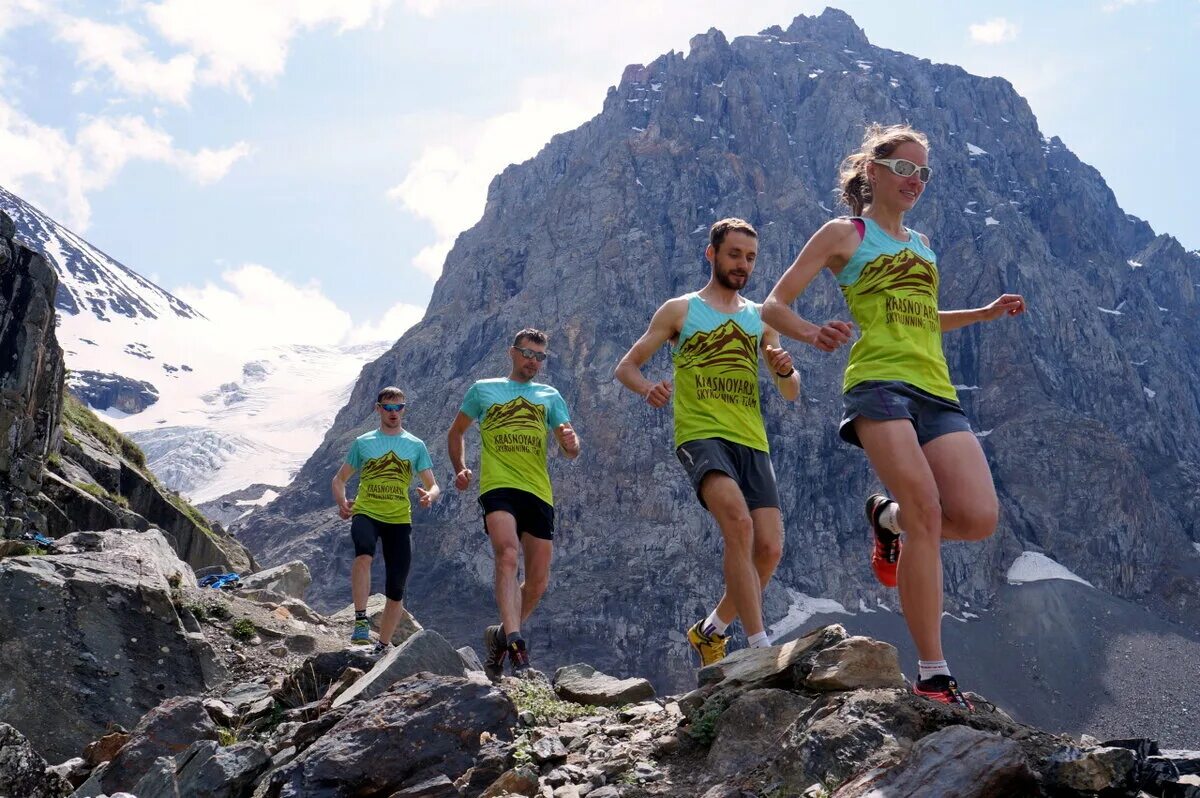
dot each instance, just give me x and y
(558, 411)
(424, 463)
(354, 456)
(472, 404)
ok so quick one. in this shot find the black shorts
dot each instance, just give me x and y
(533, 515)
(367, 532)
(750, 468)
(885, 400)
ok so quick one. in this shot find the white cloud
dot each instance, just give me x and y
(395, 322)
(995, 31)
(236, 41)
(447, 183)
(255, 304)
(207, 166)
(1117, 5)
(267, 309)
(47, 168)
(123, 52)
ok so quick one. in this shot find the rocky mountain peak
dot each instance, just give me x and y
(831, 27)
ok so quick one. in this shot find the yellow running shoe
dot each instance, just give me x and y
(711, 648)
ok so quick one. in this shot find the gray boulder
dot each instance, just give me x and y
(426, 651)
(211, 771)
(159, 780)
(777, 666)
(290, 579)
(436, 787)
(583, 684)
(74, 770)
(854, 663)
(956, 762)
(420, 728)
(310, 681)
(750, 729)
(1094, 770)
(92, 637)
(470, 659)
(23, 773)
(168, 730)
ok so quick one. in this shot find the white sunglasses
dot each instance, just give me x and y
(905, 168)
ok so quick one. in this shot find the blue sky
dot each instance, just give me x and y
(326, 152)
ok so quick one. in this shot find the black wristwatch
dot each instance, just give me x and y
(791, 371)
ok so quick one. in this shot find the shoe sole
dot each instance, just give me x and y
(940, 698)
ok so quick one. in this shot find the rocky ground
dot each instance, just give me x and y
(251, 693)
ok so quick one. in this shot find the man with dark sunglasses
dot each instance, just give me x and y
(385, 460)
(515, 415)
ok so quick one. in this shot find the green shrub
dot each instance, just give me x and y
(102, 493)
(199, 611)
(219, 610)
(703, 728)
(80, 417)
(547, 708)
(243, 629)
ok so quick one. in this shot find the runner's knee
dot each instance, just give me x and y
(738, 531)
(507, 558)
(536, 583)
(921, 516)
(977, 522)
(768, 552)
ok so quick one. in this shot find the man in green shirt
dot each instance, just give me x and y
(515, 416)
(716, 336)
(386, 459)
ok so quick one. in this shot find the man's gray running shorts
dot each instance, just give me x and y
(750, 468)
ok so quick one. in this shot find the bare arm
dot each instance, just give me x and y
(1004, 305)
(779, 361)
(430, 494)
(454, 447)
(345, 508)
(664, 327)
(831, 246)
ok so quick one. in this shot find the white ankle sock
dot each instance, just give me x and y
(889, 518)
(930, 668)
(759, 640)
(714, 625)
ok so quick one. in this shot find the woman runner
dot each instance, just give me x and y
(899, 404)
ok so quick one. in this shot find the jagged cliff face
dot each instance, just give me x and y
(31, 375)
(1087, 414)
(63, 472)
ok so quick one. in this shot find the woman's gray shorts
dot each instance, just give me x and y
(885, 400)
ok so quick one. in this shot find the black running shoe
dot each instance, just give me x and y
(518, 657)
(494, 651)
(944, 690)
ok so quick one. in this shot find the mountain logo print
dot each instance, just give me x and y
(517, 414)
(386, 469)
(726, 348)
(906, 272)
